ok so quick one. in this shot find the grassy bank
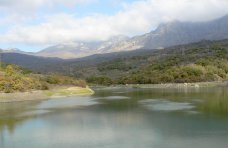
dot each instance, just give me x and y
(20, 84)
(69, 91)
(14, 78)
(44, 94)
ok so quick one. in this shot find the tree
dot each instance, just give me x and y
(9, 70)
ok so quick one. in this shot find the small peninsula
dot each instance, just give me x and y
(20, 84)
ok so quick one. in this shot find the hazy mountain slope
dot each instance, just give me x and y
(80, 49)
(15, 50)
(176, 33)
(39, 64)
(166, 35)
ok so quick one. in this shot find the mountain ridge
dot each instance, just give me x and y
(166, 35)
(170, 34)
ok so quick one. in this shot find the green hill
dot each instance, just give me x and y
(198, 62)
(195, 62)
(15, 78)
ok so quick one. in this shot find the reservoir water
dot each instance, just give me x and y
(120, 118)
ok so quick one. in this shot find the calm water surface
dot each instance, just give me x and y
(120, 118)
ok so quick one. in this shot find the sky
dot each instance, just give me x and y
(32, 25)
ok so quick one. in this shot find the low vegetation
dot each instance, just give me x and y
(192, 63)
(196, 62)
(14, 78)
(167, 72)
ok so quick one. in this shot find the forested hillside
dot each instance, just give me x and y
(196, 62)
(15, 78)
(204, 61)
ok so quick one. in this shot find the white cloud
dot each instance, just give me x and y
(21, 11)
(31, 4)
(136, 18)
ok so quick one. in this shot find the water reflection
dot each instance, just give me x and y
(116, 118)
(12, 114)
(216, 103)
(9, 114)
(165, 105)
(70, 102)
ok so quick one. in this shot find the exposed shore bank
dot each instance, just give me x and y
(44, 95)
(170, 85)
(183, 85)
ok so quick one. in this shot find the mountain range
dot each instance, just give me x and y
(166, 35)
(205, 58)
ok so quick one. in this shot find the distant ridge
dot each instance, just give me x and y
(166, 35)
(88, 65)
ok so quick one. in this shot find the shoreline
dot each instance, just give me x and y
(169, 85)
(61, 92)
(184, 85)
(38, 95)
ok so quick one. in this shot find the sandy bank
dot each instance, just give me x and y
(43, 95)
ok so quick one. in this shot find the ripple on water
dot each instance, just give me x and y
(116, 98)
(35, 112)
(165, 105)
(67, 102)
